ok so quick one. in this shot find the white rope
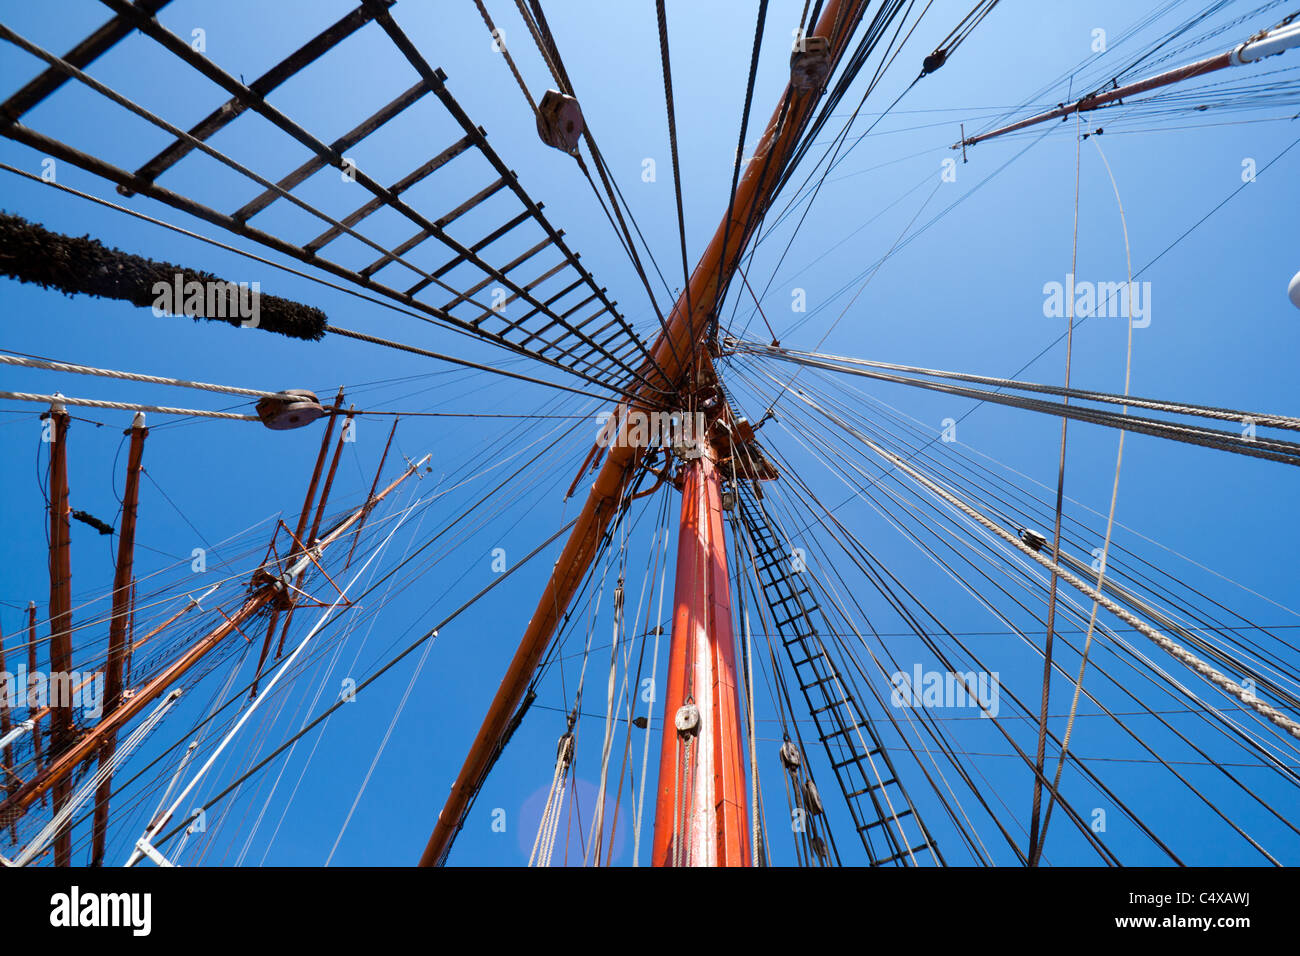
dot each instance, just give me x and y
(130, 376)
(1110, 517)
(546, 815)
(596, 840)
(549, 850)
(554, 801)
(650, 706)
(42, 839)
(122, 406)
(324, 618)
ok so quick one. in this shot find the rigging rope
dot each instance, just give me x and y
(500, 42)
(948, 45)
(122, 406)
(1110, 518)
(735, 169)
(1163, 622)
(131, 376)
(1175, 650)
(1035, 847)
(1278, 450)
(672, 145)
(844, 532)
(546, 828)
(535, 20)
(1265, 419)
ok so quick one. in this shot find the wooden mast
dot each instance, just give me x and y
(117, 638)
(266, 588)
(37, 758)
(7, 756)
(674, 351)
(59, 682)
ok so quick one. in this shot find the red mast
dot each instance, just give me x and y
(701, 818)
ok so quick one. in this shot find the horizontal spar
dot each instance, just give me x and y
(1266, 43)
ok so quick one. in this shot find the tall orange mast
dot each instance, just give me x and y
(680, 344)
(700, 815)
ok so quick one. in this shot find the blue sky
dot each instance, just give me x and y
(966, 293)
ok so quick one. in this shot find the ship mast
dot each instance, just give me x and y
(117, 637)
(60, 612)
(680, 354)
(266, 588)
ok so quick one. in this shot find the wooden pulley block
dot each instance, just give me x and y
(812, 799)
(559, 121)
(790, 756)
(810, 66)
(292, 408)
(1035, 539)
(687, 720)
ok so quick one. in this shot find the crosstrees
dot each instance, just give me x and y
(479, 246)
(578, 342)
(80, 56)
(402, 185)
(345, 142)
(227, 112)
(434, 78)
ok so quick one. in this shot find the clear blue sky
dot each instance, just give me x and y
(966, 294)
